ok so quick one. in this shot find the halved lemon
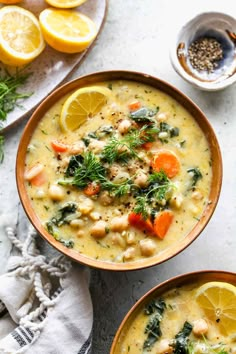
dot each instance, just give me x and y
(67, 31)
(218, 300)
(10, 1)
(21, 38)
(65, 4)
(81, 105)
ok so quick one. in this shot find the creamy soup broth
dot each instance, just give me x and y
(122, 241)
(204, 337)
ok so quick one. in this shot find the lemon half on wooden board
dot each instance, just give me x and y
(218, 300)
(67, 31)
(65, 4)
(81, 105)
(21, 38)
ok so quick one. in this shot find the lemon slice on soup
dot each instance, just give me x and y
(67, 31)
(218, 300)
(65, 4)
(21, 38)
(81, 105)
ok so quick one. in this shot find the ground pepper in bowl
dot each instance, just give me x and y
(205, 54)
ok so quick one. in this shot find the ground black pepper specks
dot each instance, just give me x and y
(205, 54)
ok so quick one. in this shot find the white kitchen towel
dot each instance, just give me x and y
(45, 305)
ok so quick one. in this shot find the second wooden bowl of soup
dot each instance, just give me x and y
(119, 170)
(191, 313)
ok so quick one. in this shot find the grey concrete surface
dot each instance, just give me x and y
(137, 36)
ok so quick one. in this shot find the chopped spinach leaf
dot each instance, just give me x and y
(74, 163)
(196, 175)
(155, 310)
(144, 115)
(181, 341)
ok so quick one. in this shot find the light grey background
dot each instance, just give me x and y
(137, 36)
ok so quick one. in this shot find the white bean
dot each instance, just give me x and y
(197, 195)
(33, 171)
(96, 146)
(162, 117)
(129, 253)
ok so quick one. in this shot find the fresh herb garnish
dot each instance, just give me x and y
(84, 169)
(124, 149)
(153, 195)
(155, 310)
(8, 91)
(196, 175)
(9, 97)
(144, 115)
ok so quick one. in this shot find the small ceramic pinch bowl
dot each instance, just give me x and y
(219, 27)
(138, 332)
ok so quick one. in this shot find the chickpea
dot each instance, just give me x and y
(86, 206)
(99, 229)
(56, 192)
(162, 117)
(77, 148)
(105, 198)
(141, 179)
(124, 126)
(80, 233)
(164, 347)
(96, 146)
(200, 327)
(147, 247)
(119, 223)
(95, 215)
(121, 177)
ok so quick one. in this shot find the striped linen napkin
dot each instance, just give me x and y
(45, 305)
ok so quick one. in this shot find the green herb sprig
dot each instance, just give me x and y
(9, 97)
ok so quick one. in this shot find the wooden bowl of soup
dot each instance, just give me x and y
(190, 313)
(119, 170)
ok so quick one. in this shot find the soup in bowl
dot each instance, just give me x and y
(119, 170)
(191, 313)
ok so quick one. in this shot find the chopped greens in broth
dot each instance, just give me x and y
(173, 323)
(130, 182)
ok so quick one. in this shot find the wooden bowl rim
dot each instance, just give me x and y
(163, 86)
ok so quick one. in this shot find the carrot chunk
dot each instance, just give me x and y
(140, 223)
(134, 106)
(162, 223)
(92, 188)
(39, 179)
(58, 146)
(167, 161)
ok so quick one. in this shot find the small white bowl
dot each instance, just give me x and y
(216, 25)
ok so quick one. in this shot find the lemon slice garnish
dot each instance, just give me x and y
(218, 300)
(81, 105)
